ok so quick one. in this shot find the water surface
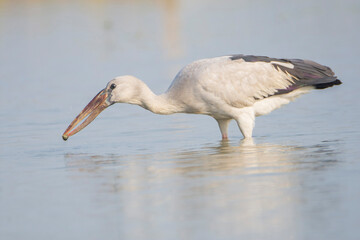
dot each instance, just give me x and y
(135, 175)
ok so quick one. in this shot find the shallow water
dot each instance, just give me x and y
(134, 175)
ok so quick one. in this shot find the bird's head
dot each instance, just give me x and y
(123, 89)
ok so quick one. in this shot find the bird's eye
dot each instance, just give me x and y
(112, 86)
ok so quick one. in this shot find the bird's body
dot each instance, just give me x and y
(238, 87)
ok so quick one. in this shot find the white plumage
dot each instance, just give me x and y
(235, 87)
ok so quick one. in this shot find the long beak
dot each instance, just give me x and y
(94, 108)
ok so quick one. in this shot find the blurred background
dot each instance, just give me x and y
(135, 175)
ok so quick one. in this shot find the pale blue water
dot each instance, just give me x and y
(135, 175)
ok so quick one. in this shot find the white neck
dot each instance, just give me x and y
(160, 104)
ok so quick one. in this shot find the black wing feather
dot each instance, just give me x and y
(305, 72)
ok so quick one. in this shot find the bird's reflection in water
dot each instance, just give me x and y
(218, 186)
(225, 158)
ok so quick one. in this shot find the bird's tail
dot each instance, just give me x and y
(328, 84)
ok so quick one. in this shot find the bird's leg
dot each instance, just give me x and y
(247, 142)
(223, 125)
(246, 123)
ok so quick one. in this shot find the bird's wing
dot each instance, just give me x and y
(240, 80)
